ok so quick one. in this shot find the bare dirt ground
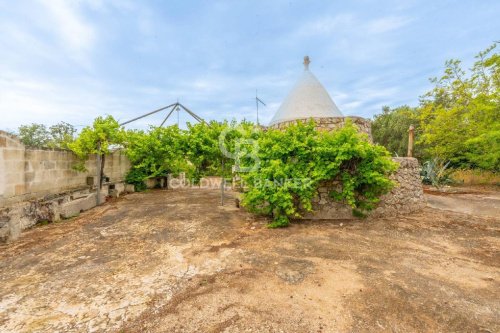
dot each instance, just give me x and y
(175, 261)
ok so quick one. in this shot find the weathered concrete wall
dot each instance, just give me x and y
(40, 184)
(406, 197)
(329, 124)
(32, 173)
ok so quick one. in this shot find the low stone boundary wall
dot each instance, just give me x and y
(406, 197)
(33, 173)
(41, 184)
(23, 215)
(332, 123)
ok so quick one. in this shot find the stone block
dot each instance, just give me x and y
(48, 165)
(120, 187)
(75, 207)
(14, 166)
(29, 176)
(151, 183)
(19, 189)
(14, 178)
(13, 154)
(105, 190)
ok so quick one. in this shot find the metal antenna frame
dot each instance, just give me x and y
(173, 107)
(257, 101)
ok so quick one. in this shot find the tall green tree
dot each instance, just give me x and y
(460, 116)
(59, 135)
(104, 134)
(390, 129)
(201, 145)
(156, 153)
(34, 135)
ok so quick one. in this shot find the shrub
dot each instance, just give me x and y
(155, 153)
(435, 172)
(294, 161)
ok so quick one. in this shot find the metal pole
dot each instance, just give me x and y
(257, 104)
(98, 165)
(147, 114)
(194, 115)
(411, 133)
(168, 115)
(222, 184)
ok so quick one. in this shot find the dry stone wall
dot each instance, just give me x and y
(406, 197)
(332, 123)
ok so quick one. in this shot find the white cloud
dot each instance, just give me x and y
(346, 23)
(76, 35)
(351, 38)
(386, 24)
(25, 99)
(326, 25)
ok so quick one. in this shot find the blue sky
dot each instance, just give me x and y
(74, 60)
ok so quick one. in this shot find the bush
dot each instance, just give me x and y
(155, 153)
(294, 161)
(435, 172)
(136, 177)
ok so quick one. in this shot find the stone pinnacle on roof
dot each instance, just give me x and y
(306, 63)
(307, 99)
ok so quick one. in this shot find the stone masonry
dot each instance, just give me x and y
(41, 184)
(406, 197)
(332, 123)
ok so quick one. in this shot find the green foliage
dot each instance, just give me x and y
(99, 138)
(37, 135)
(293, 163)
(390, 128)
(201, 146)
(435, 172)
(460, 117)
(136, 176)
(458, 120)
(483, 151)
(155, 153)
(62, 135)
(34, 135)
(198, 151)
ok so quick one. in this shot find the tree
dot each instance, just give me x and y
(201, 145)
(460, 116)
(390, 129)
(104, 134)
(204, 149)
(155, 153)
(34, 135)
(61, 135)
(57, 136)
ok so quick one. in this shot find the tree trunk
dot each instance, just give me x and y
(103, 157)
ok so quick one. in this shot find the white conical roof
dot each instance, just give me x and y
(308, 99)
